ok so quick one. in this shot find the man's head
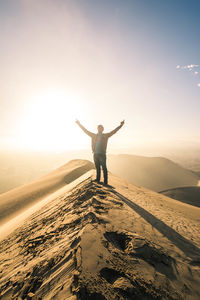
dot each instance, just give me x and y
(100, 128)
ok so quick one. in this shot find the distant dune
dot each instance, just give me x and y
(155, 173)
(197, 173)
(12, 202)
(107, 243)
(189, 195)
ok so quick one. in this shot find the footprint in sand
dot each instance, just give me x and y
(142, 249)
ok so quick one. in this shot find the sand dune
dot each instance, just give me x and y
(16, 200)
(189, 194)
(96, 242)
(155, 173)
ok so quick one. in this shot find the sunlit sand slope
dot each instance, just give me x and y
(16, 200)
(97, 242)
(155, 173)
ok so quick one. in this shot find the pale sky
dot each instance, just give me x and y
(101, 62)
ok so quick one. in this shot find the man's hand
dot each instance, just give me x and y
(122, 123)
(77, 122)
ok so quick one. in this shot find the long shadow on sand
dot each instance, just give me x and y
(177, 239)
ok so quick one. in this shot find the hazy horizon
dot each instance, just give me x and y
(99, 62)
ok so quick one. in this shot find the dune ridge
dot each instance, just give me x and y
(96, 242)
(18, 199)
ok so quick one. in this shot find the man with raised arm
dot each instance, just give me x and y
(99, 146)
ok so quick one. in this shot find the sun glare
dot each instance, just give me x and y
(48, 121)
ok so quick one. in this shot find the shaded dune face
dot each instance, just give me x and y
(189, 194)
(96, 242)
(155, 173)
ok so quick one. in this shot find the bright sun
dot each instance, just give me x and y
(48, 121)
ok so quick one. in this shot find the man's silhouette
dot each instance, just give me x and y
(99, 146)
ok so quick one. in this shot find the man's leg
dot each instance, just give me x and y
(97, 165)
(104, 167)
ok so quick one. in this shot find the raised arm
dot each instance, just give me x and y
(116, 129)
(84, 129)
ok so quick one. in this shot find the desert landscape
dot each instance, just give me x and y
(99, 150)
(88, 241)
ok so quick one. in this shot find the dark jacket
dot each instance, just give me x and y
(105, 136)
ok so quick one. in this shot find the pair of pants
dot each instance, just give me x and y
(100, 161)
